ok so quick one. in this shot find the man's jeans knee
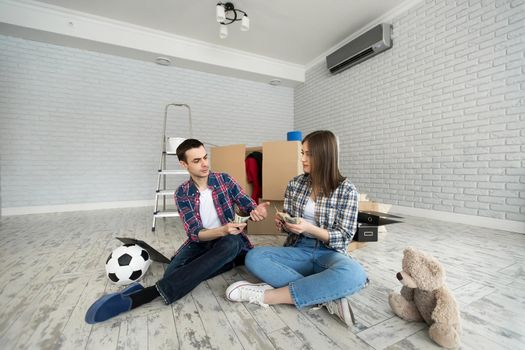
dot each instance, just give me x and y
(197, 262)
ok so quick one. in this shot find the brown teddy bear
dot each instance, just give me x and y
(424, 296)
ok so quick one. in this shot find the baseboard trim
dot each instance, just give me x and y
(75, 207)
(499, 224)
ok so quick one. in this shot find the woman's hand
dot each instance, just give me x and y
(279, 224)
(302, 226)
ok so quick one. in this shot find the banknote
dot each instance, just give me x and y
(240, 219)
(287, 218)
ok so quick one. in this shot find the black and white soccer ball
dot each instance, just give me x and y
(127, 264)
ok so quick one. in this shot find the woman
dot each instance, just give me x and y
(313, 267)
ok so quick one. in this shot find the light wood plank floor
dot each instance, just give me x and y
(52, 269)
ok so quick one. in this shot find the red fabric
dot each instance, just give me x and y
(252, 175)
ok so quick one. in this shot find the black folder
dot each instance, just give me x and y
(375, 218)
(153, 253)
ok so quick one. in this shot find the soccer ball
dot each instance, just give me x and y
(127, 264)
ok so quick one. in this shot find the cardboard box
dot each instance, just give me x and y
(366, 233)
(230, 160)
(356, 245)
(267, 226)
(281, 162)
(374, 206)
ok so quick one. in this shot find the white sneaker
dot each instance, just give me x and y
(246, 291)
(342, 309)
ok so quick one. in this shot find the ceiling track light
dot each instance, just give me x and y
(226, 14)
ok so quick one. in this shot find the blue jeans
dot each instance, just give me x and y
(197, 262)
(314, 273)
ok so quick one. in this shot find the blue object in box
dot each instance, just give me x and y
(294, 136)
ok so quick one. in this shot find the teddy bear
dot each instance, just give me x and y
(425, 297)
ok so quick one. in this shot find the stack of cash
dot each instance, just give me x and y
(240, 219)
(287, 218)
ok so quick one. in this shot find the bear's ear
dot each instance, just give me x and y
(410, 253)
(409, 250)
(435, 268)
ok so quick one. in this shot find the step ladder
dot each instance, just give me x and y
(169, 147)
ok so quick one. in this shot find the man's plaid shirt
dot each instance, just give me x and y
(336, 213)
(226, 192)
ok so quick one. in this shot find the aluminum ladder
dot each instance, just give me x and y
(163, 172)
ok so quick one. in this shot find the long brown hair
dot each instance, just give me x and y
(324, 175)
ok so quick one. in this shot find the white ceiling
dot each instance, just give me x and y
(285, 36)
(296, 31)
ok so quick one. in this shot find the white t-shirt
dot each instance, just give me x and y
(207, 210)
(309, 215)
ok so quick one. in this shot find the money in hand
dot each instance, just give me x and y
(287, 218)
(240, 219)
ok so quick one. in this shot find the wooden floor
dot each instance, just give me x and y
(52, 269)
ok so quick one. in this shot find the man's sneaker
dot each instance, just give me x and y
(342, 309)
(111, 305)
(246, 291)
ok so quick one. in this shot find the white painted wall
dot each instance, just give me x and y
(438, 121)
(84, 127)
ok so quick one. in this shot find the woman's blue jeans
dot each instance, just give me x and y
(314, 273)
(197, 262)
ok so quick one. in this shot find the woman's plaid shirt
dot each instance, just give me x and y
(336, 213)
(226, 193)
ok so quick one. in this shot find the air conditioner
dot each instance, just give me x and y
(363, 47)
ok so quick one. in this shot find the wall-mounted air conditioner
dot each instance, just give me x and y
(374, 41)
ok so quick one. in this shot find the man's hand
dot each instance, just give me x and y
(260, 212)
(233, 228)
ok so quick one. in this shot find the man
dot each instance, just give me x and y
(215, 244)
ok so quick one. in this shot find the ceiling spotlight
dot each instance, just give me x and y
(221, 13)
(245, 23)
(163, 61)
(223, 32)
(226, 14)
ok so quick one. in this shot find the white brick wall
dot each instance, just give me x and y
(438, 121)
(83, 127)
